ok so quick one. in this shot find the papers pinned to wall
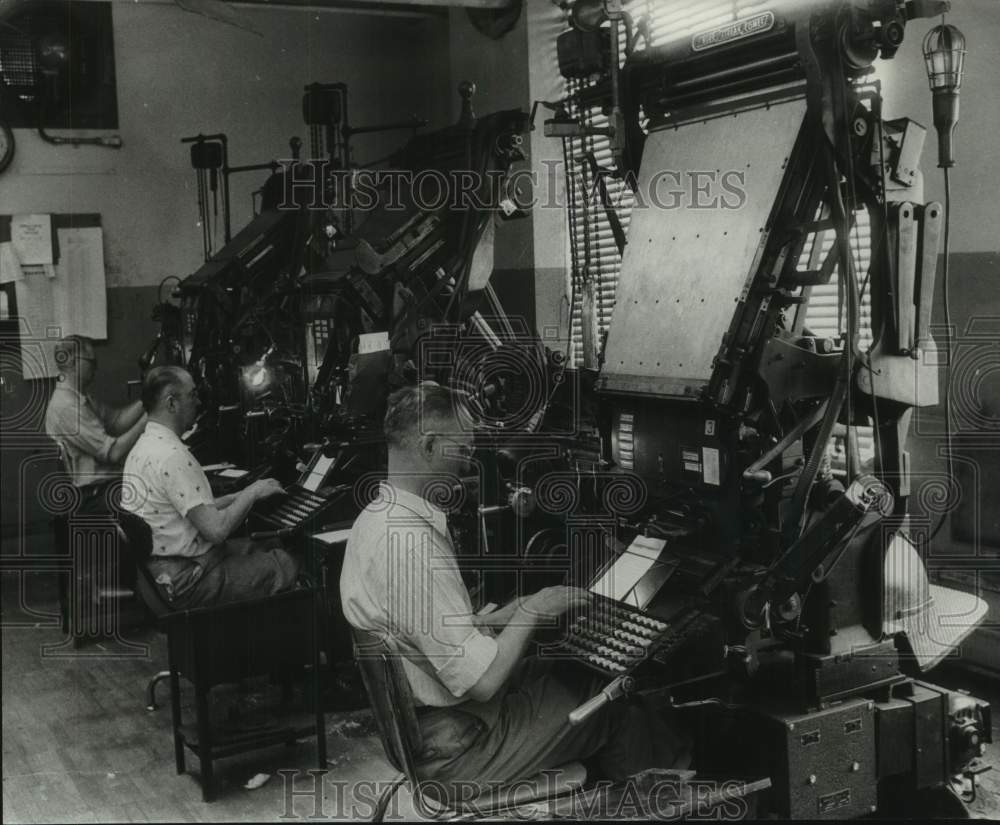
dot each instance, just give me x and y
(59, 286)
(81, 301)
(10, 266)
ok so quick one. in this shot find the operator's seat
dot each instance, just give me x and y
(396, 717)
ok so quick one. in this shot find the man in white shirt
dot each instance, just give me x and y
(193, 560)
(487, 714)
(93, 438)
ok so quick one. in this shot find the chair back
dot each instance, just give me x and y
(391, 699)
(138, 534)
(236, 640)
(140, 546)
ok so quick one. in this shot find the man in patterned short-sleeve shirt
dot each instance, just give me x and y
(193, 560)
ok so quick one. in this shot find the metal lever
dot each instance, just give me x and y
(620, 687)
(284, 532)
(927, 261)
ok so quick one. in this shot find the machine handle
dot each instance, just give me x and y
(621, 686)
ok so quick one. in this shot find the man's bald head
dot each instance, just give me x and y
(161, 382)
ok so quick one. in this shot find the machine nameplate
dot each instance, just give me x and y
(811, 738)
(832, 801)
(719, 36)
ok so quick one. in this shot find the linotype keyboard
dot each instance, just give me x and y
(614, 638)
(291, 511)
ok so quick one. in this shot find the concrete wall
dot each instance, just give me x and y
(180, 74)
(531, 257)
(974, 287)
(552, 262)
(974, 178)
(499, 69)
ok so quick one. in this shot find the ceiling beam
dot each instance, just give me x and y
(376, 5)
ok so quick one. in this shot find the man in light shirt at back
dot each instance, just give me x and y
(93, 438)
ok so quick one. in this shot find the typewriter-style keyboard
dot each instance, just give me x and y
(290, 511)
(612, 637)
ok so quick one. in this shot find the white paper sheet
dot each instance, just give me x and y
(332, 536)
(40, 328)
(711, 462)
(10, 266)
(31, 237)
(373, 342)
(233, 473)
(629, 567)
(80, 290)
(317, 474)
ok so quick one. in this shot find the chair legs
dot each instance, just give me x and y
(386, 797)
(63, 581)
(317, 697)
(205, 746)
(175, 711)
(151, 689)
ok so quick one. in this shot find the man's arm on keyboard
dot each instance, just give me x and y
(536, 610)
(498, 619)
(222, 502)
(217, 525)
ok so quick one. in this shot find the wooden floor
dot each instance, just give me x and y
(79, 746)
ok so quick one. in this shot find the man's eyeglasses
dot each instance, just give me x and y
(460, 448)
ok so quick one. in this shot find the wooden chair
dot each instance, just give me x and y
(229, 643)
(140, 545)
(235, 641)
(99, 580)
(399, 729)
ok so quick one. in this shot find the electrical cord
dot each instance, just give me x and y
(574, 251)
(947, 347)
(876, 429)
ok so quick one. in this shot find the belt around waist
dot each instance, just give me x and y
(154, 557)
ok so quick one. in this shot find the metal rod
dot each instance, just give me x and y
(402, 124)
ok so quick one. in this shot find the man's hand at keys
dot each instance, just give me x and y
(266, 487)
(550, 603)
